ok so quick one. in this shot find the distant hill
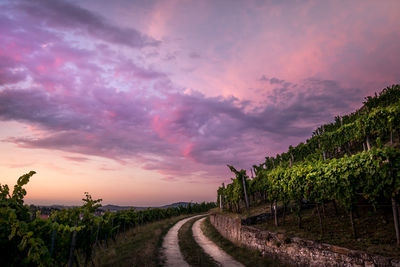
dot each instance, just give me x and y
(58, 207)
(111, 207)
(174, 205)
(118, 208)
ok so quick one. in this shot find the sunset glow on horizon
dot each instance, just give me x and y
(143, 103)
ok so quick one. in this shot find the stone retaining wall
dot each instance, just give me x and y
(294, 251)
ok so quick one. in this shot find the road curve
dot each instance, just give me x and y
(220, 256)
(172, 253)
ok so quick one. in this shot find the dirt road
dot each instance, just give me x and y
(172, 253)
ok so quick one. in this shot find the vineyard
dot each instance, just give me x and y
(69, 236)
(351, 162)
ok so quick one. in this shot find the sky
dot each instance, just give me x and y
(145, 102)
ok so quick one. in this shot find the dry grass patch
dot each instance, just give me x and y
(375, 229)
(139, 246)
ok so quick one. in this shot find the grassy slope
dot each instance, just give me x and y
(192, 252)
(137, 247)
(375, 229)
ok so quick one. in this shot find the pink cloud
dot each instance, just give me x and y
(77, 159)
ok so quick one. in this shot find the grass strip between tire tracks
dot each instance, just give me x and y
(193, 254)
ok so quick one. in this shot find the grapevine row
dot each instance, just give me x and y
(69, 236)
(377, 122)
(354, 159)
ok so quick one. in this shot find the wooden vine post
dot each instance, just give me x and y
(353, 226)
(395, 210)
(221, 197)
(72, 248)
(97, 233)
(396, 219)
(368, 144)
(391, 137)
(245, 192)
(321, 226)
(323, 152)
(291, 160)
(299, 204)
(53, 237)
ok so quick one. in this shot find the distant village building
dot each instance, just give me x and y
(44, 216)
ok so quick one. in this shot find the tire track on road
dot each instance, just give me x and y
(220, 256)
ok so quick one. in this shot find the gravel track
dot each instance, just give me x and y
(172, 253)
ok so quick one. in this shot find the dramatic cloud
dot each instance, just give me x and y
(62, 15)
(210, 131)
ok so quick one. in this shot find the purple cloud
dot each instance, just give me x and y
(8, 76)
(194, 55)
(274, 80)
(174, 128)
(207, 130)
(57, 14)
